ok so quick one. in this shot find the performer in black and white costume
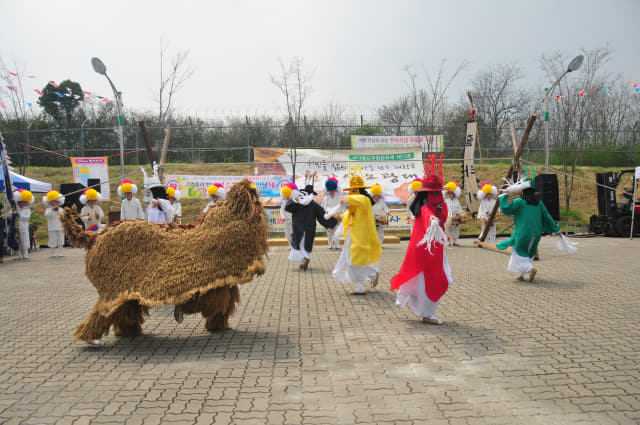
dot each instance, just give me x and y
(159, 208)
(305, 212)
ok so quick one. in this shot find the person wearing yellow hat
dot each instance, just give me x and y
(174, 196)
(91, 214)
(215, 193)
(130, 207)
(413, 187)
(380, 211)
(53, 200)
(487, 195)
(456, 214)
(25, 199)
(359, 260)
(288, 192)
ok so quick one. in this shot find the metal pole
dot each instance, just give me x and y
(191, 135)
(248, 139)
(82, 137)
(120, 124)
(633, 206)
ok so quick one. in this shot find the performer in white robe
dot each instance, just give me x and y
(415, 185)
(91, 214)
(331, 200)
(380, 211)
(25, 199)
(288, 192)
(53, 201)
(174, 196)
(215, 193)
(455, 212)
(130, 207)
(487, 195)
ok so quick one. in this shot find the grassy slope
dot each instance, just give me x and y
(583, 202)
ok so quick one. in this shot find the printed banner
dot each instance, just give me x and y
(92, 168)
(195, 187)
(429, 144)
(398, 220)
(393, 169)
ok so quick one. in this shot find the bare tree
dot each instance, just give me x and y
(12, 97)
(428, 104)
(574, 115)
(498, 98)
(171, 82)
(396, 113)
(295, 86)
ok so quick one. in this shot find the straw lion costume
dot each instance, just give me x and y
(135, 265)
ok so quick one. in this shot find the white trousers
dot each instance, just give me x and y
(56, 240)
(332, 240)
(453, 232)
(380, 230)
(24, 237)
(491, 234)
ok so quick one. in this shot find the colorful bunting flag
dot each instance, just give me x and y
(54, 85)
(58, 94)
(13, 73)
(38, 91)
(2, 105)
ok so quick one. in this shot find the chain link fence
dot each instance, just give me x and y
(234, 143)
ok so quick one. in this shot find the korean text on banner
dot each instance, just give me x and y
(429, 144)
(393, 169)
(92, 168)
(195, 187)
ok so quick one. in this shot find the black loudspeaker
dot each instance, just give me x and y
(547, 192)
(606, 197)
(95, 183)
(71, 198)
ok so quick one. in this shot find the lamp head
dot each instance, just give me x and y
(98, 66)
(576, 63)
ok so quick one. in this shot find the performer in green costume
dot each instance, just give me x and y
(531, 218)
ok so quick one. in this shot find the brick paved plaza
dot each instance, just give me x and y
(563, 349)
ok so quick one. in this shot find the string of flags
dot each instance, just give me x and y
(635, 85)
(65, 92)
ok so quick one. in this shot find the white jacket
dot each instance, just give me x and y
(131, 209)
(53, 219)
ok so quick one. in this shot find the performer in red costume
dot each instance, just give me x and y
(425, 275)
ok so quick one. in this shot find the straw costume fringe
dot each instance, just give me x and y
(135, 265)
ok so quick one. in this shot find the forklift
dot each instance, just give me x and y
(614, 215)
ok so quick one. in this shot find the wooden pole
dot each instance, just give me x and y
(163, 156)
(514, 139)
(147, 142)
(633, 201)
(523, 142)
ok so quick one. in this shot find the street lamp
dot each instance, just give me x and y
(573, 66)
(100, 68)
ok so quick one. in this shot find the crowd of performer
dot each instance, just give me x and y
(358, 218)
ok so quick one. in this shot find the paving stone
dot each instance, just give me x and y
(303, 351)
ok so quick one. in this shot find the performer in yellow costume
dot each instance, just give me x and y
(358, 261)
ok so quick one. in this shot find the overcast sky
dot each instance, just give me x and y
(356, 49)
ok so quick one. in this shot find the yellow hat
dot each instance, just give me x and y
(286, 191)
(451, 186)
(25, 195)
(376, 189)
(53, 195)
(356, 182)
(487, 188)
(171, 192)
(415, 185)
(211, 190)
(92, 194)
